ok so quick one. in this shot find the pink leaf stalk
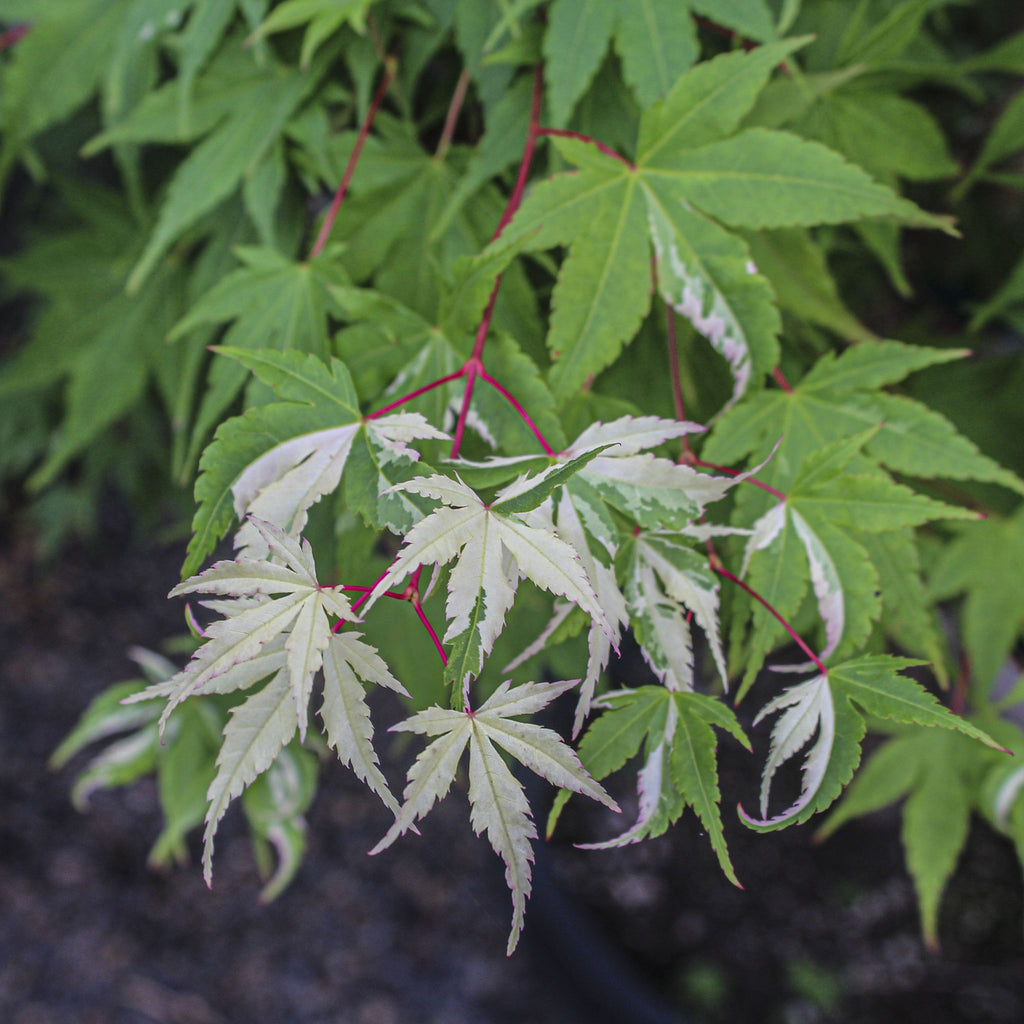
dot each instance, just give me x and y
(797, 639)
(350, 167)
(563, 133)
(474, 365)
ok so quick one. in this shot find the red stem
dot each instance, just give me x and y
(781, 380)
(501, 389)
(722, 571)
(673, 366)
(474, 365)
(524, 164)
(562, 133)
(13, 34)
(430, 629)
(735, 472)
(721, 30)
(416, 394)
(364, 131)
(452, 117)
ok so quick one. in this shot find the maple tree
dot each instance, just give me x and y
(561, 329)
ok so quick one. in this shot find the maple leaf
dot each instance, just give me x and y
(239, 648)
(665, 579)
(275, 461)
(272, 303)
(216, 167)
(828, 709)
(655, 39)
(830, 506)
(322, 18)
(494, 546)
(654, 492)
(498, 804)
(680, 766)
(288, 638)
(985, 561)
(937, 772)
(691, 172)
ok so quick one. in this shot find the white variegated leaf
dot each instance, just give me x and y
(631, 434)
(807, 709)
(493, 549)
(498, 806)
(599, 644)
(345, 713)
(652, 491)
(245, 645)
(686, 578)
(653, 785)
(305, 646)
(661, 628)
(828, 588)
(282, 485)
(255, 734)
(763, 532)
(396, 432)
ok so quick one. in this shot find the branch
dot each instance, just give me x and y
(694, 461)
(390, 65)
(781, 380)
(13, 34)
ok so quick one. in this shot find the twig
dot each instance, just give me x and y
(474, 365)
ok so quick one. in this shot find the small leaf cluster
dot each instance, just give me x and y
(494, 335)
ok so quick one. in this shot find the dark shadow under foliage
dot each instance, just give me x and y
(89, 936)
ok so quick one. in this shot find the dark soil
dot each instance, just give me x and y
(88, 935)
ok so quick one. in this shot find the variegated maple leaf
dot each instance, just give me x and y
(289, 639)
(657, 494)
(284, 483)
(829, 710)
(498, 804)
(495, 546)
(244, 647)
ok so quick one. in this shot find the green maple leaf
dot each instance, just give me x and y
(271, 302)
(692, 175)
(829, 506)
(943, 777)
(277, 460)
(828, 710)
(395, 350)
(69, 47)
(235, 147)
(675, 730)
(321, 17)
(655, 40)
(985, 561)
(104, 345)
(838, 402)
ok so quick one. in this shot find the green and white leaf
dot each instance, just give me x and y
(494, 549)
(498, 806)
